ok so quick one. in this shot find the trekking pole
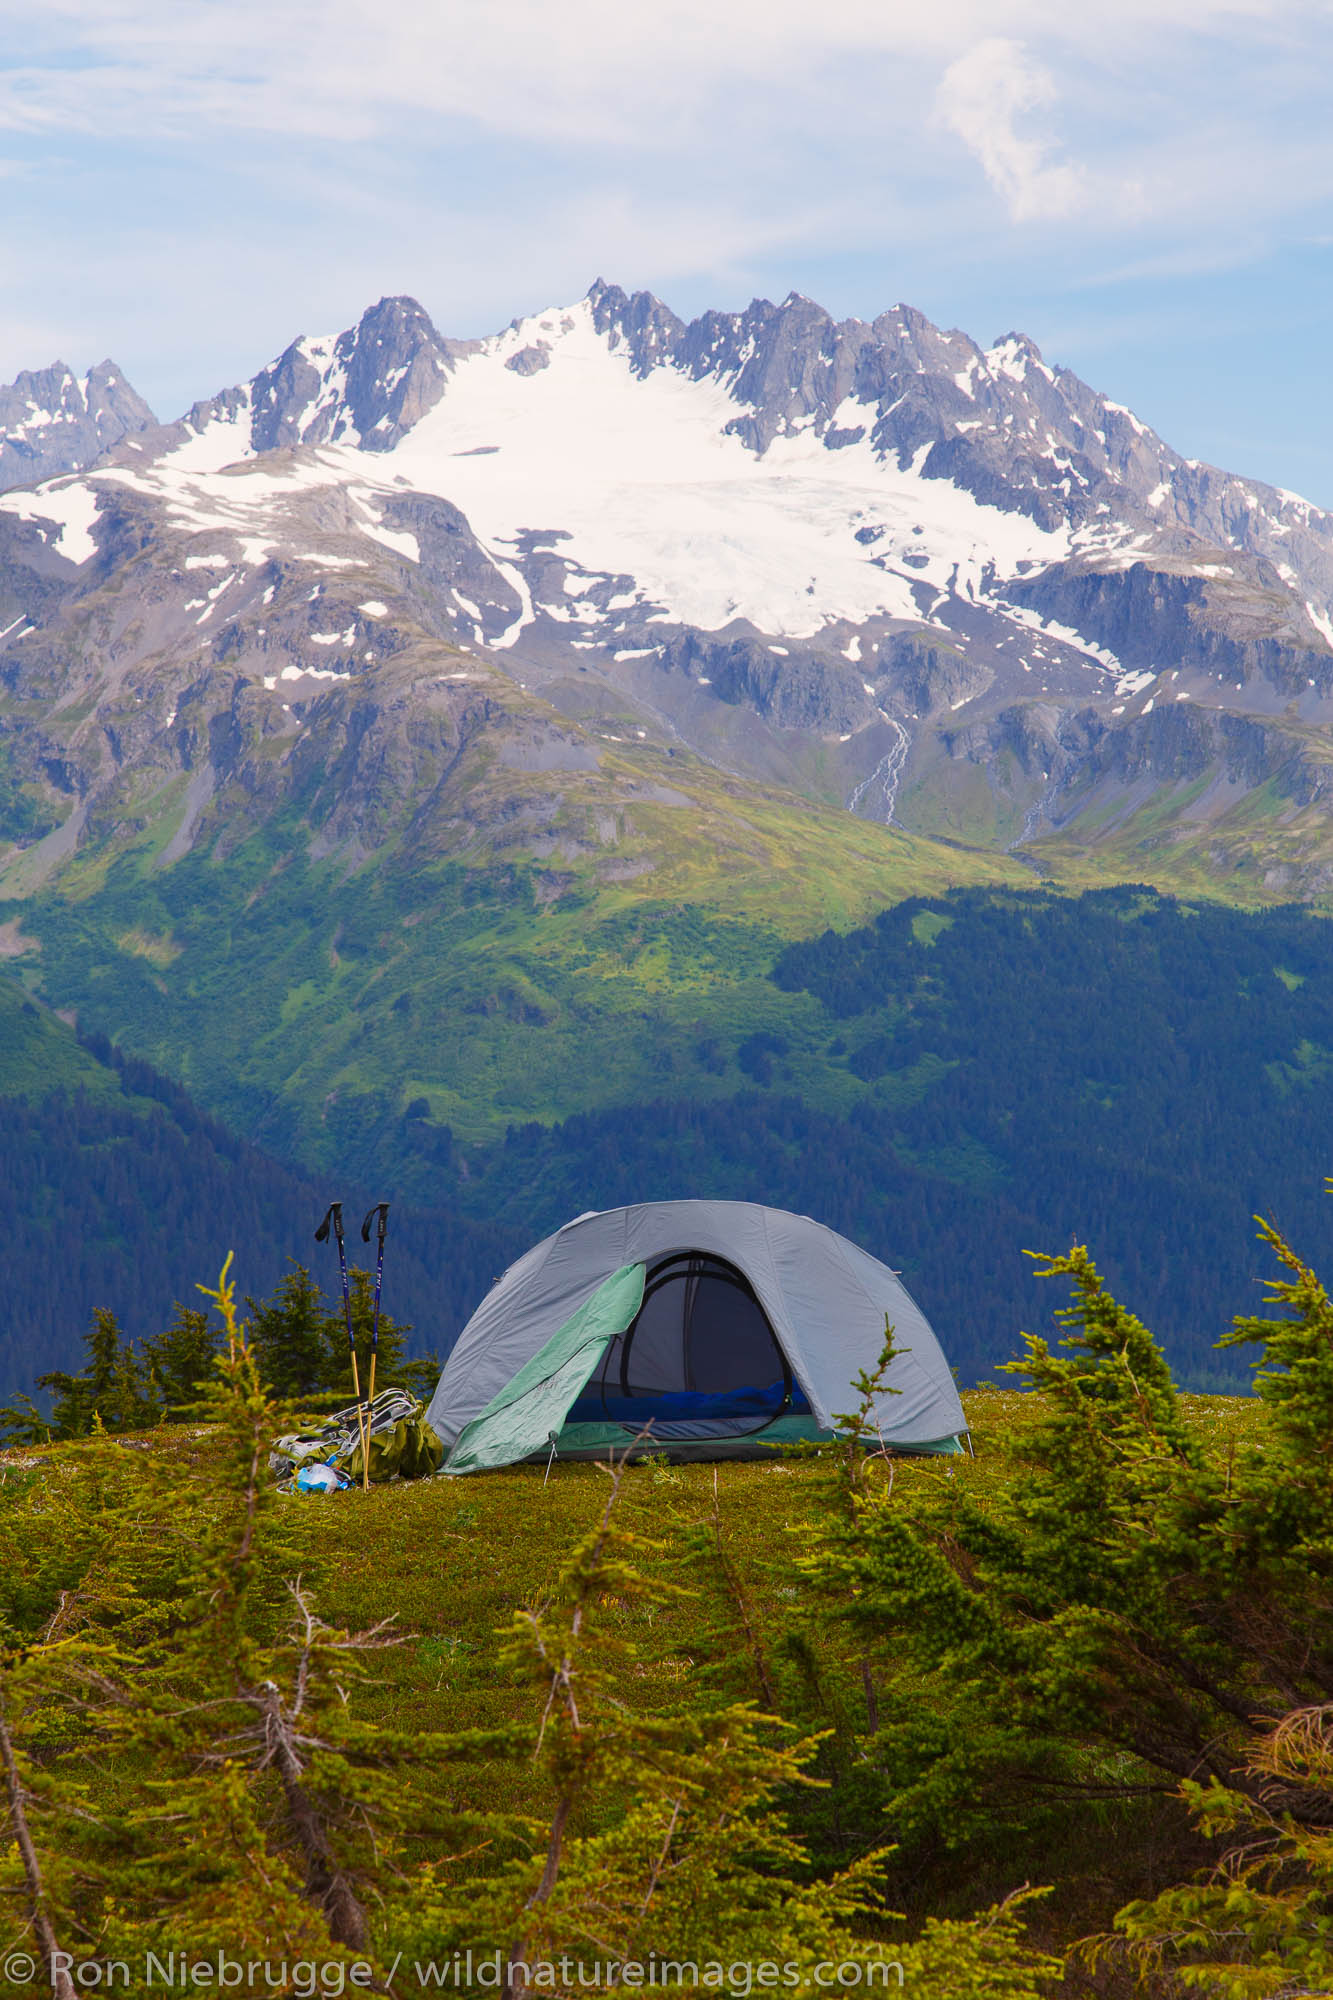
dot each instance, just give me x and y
(335, 1216)
(381, 1209)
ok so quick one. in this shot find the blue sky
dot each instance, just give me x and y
(1145, 189)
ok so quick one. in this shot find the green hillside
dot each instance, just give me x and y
(966, 1078)
(981, 1075)
(305, 1003)
(634, 976)
(39, 1053)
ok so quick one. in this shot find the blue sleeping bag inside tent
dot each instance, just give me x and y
(688, 1406)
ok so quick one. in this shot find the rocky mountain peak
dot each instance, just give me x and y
(784, 362)
(1015, 353)
(53, 422)
(953, 558)
(396, 364)
(650, 331)
(368, 386)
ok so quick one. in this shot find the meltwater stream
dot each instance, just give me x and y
(885, 776)
(1059, 778)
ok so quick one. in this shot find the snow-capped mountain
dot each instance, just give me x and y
(950, 587)
(53, 421)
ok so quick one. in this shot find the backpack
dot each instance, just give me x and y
(402, 1443)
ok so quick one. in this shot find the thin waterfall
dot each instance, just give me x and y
(885, 777)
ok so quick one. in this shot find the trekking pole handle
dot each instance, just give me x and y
(335, 1216)
(381, 1209)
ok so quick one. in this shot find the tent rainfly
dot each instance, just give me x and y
(720, 1325)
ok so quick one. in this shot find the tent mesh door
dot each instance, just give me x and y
(700, 1358)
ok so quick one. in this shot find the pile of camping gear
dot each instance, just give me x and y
(367, 1443)
(363, 1445)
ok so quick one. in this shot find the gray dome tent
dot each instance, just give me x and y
(720, 1323)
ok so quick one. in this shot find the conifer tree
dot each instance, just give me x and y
(70, 1622)
(199, 1714)
(301, 1341)
(112, 1392)
(248, 1724)
(1257, 1922)
(393, 1368)
(178, 1361)
(120, 1388)
(289, 1334)
(23, 1786)
(1116, 1618)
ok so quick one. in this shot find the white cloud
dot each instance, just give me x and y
(984, 97)
(585, 71)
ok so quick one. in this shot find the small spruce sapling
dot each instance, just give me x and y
(178, 1362)
(288, 1332)
(38, 1869)
(1116, 1616)
(302, 1344)
(836, 1817)
(393, 1367)
(265, 1788)
(69, 1622)
(857, 1427)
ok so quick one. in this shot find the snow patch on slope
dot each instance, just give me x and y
(69, 506)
